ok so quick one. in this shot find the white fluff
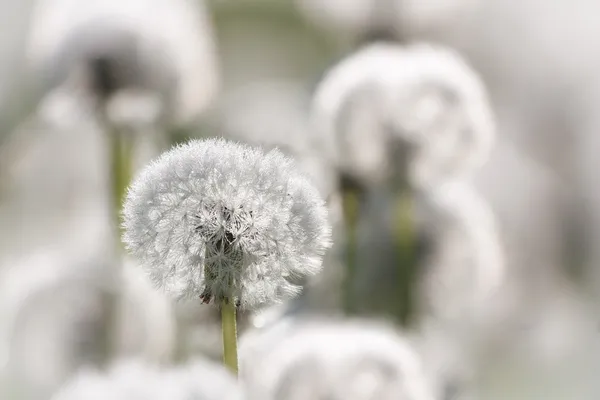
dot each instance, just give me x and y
(164, 47)
(325, 359)
(133, 380)
(422, 97)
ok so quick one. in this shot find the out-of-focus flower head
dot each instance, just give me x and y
(419, 111)
(146, 318)
(328, 359)
(464, 268)
(53, 319)
(443, 107)
(143, 59)
(133, 380)
(216, 220)
(348, 111)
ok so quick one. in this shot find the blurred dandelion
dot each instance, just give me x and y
(464, 271)
(146, 319)
(422, 95)
(226, 223)
(329, 359)
(412, 117)
(131, 379)
(53, 319)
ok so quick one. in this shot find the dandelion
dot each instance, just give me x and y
(146, 319)
(465, 268)
(227, 224)
(52, 320)
(443, 109)
(131, 379)
(411, 116)
(329, 359)
(424, 98)
(164, 49)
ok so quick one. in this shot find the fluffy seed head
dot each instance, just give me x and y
(216, 220)
(131, 379)
(327, 359)
(418, 110)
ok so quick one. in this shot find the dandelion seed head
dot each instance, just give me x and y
(132, 380)
(387, 111)
(442, 106)
(219, 220)
(328, 359)
(155, 53)
(466, 269)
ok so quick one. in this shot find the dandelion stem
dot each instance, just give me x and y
(350, 208)
(122, 169)
(405, 245)
(228, 320)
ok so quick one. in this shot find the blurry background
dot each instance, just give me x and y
(74, 76)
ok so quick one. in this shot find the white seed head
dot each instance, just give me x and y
(213, 219)
(324, 359)
(53, 319)
(352, 90)
(442, 106)
(422, 99)
(147, 325)
(464, 272)
(133, 380)
(151, 52)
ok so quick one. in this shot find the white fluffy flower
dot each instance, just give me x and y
(153, 56)
(424, 98)
(219, 220)
(325, 359)
(132, 380)
(53, 319)
(147, 325)
(465, 269)
(444, 109)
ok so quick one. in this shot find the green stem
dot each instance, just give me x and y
(228, 321)
(405, 245)
(350, 209)
(121, 171)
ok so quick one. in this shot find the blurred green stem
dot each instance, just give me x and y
(405, 245)
(350, 206)
(229, 326)
(122, 169)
